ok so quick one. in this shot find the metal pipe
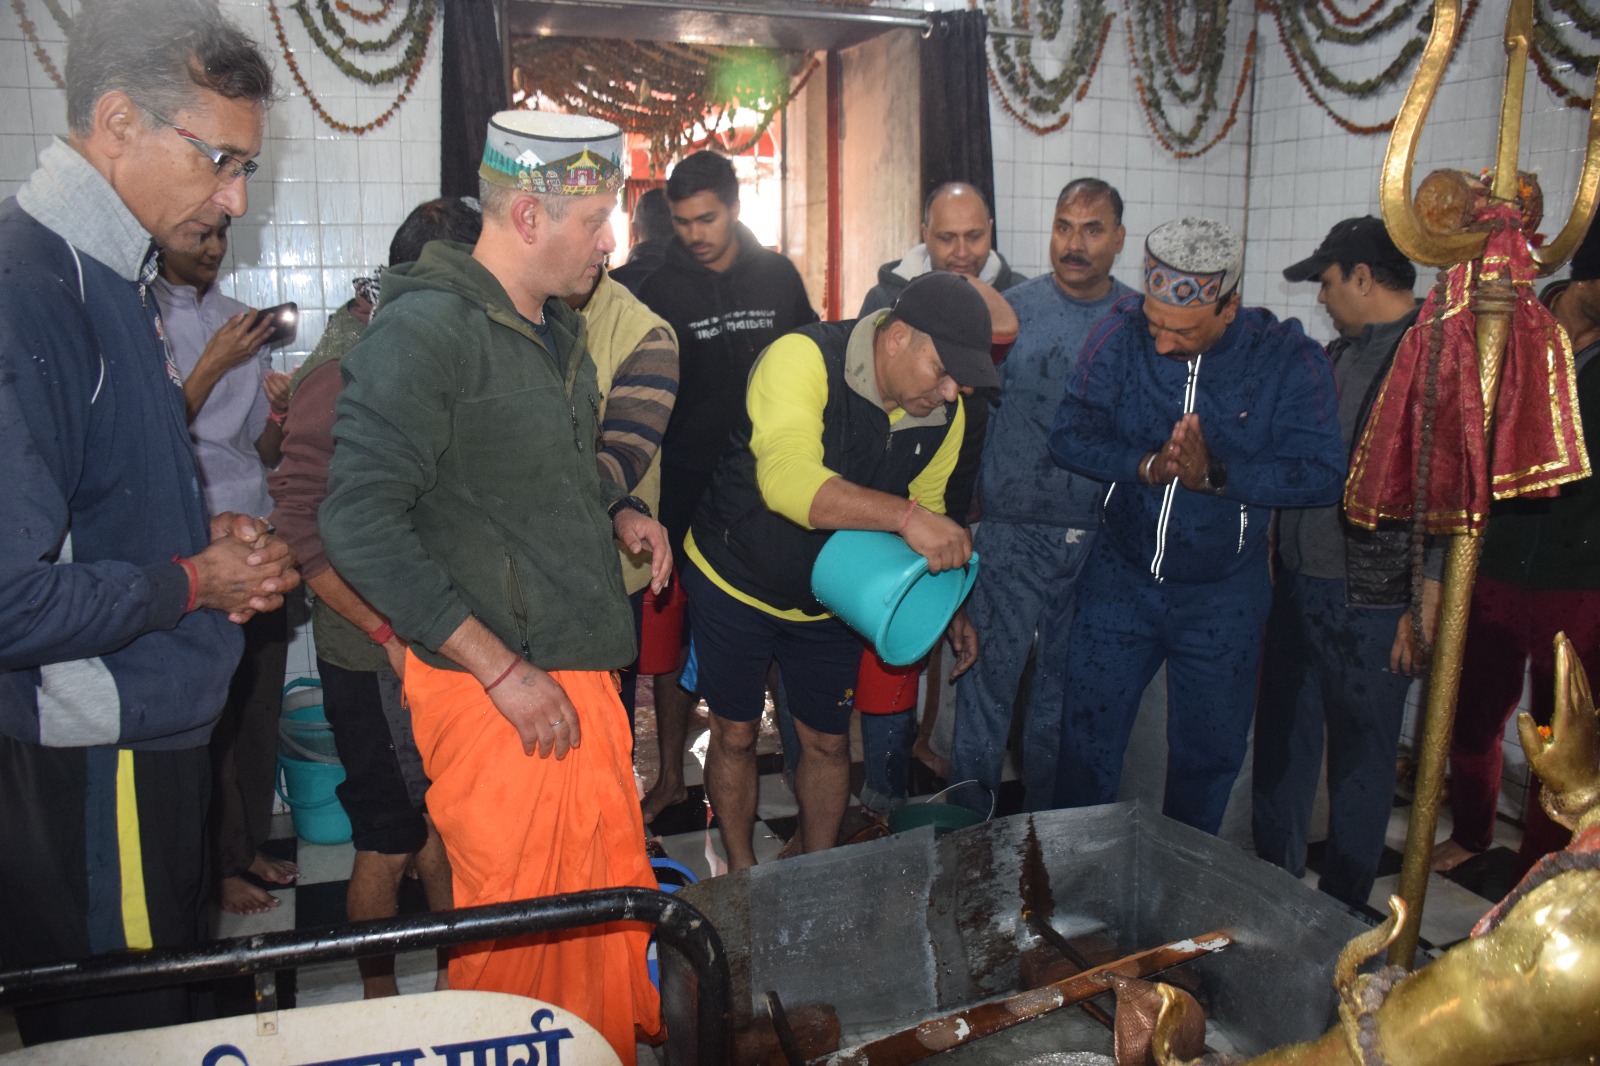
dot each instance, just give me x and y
(818, 13)
(678, 925)
(937, 1035)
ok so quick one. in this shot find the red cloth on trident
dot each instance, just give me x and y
(1538, 437)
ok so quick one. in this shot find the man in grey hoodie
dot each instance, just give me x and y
(958, 236)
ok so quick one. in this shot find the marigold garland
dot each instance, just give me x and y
(665, 89)
(1023, 91)
(1551, 47)
(410, 65)
(1187, 74)
(365, 17)
(31, 33)
(1315, 76)
(419, 13)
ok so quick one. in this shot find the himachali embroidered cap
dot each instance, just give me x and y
(1191, 261)
(551, 153)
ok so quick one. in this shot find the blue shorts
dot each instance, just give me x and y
(734, 643)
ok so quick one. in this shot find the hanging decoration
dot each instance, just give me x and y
(674, 95)
(1043, 102)
(1555, 23)
(30, 33)
(1386, 28)
(410, 33)
(1178, 49)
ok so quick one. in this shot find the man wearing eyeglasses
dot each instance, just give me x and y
(120, 598)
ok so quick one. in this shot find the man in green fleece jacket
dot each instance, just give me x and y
(465, 505)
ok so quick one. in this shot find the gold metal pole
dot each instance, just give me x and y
(1494, 303)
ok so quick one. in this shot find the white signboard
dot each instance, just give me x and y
(431, 1029)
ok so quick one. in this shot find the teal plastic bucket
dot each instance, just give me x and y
(308, 773)
(943, 817)
(677, 875)
(882, 589)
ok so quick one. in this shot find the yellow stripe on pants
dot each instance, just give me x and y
(130, 852)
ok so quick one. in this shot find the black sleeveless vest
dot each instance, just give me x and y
(765, 555)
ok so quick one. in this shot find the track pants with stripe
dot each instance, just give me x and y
(1126, 625)
(101, 850)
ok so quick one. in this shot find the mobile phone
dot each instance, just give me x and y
(285, 323)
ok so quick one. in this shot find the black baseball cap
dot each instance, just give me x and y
(1355, 240)
(947, 308)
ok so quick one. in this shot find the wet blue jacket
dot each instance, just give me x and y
(1268, 409)
(1018, 481)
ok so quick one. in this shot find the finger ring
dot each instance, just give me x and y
(558, 722)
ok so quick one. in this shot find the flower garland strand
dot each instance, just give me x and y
(31, 33)
(1302, 21)
(1550, 47)
(416, 53)
(1022, 89)
(417, 13)
(668, 89)
(1189, 74)
(364, 17)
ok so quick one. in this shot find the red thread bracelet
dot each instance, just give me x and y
(194, 581)
(490, 687)
(906, 519)
(382, 635)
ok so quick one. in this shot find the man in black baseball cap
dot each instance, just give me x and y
(846, 425)
(953, 314)
(1358, 259)
(1341, 587)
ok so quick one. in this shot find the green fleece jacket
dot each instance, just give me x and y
(464, 480)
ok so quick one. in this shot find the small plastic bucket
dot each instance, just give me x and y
(661, 629)
(677, 876)
(882, 589)
(308, 773)
(944, 817)
(885, 689)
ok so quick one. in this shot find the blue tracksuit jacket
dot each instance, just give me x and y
(1268, 409)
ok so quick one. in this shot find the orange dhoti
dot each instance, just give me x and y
(518, 826)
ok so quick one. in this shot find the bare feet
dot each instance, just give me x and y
(663, 794)
(274, 871)
(924, 753)
(239, 896)
(1448, 854)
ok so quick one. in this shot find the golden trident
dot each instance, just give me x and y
(1493, 303)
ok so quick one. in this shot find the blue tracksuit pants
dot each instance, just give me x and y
(1326, 672)
(1026, 582)
(1209, 635)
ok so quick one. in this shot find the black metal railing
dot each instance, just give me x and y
(679, 926)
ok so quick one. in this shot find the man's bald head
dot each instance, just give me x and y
(956, 229)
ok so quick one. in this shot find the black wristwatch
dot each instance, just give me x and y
(1216, 476)
(633, 503)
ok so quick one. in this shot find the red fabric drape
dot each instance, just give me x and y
(1537, 435)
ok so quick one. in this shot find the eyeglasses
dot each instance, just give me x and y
(227, 166)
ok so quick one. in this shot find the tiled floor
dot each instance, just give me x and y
(1455, 900)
